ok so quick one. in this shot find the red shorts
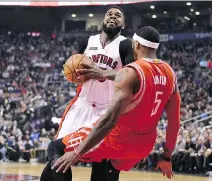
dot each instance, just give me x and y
(124, 148)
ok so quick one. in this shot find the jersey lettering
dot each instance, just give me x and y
(94, 58)
(159, 79)
(114, 65)
(105, 60)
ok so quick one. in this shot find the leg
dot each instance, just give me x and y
(199, 162)
(47, 173)
(99, 171)
(62, 176)
(179, 157)
(55, 151)
(154, 157)
(189, 163)
(149, 162)
(51, 175)
(184, 162)
(112, 173)
(3, 151)
(28, 156)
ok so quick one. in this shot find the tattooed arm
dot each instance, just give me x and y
(124, 84)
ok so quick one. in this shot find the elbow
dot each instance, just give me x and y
(178, 125)
(174, 126)
(110, 124)
(106, 126)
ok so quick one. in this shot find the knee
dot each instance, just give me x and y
(50, 150)
(55, 147)
(50, 147)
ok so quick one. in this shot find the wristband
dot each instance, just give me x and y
(165, 158)
(77, 153)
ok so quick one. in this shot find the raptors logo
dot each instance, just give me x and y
(103, 59)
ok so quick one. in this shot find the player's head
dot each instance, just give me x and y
(145, 41)
(113, 21)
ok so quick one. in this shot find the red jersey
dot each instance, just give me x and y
(157, 83)
(134, 135)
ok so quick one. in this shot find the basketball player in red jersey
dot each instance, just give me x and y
(108, 50)
(127, 132)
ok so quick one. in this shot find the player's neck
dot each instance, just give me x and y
(106, 39)
(150, 55)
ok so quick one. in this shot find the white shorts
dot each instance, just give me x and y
(81, 114)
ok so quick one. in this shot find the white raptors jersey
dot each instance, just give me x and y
(107, 58)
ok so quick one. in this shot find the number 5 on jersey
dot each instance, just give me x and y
(157, 102)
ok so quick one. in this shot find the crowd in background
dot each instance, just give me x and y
(32, 91)
(193, 152)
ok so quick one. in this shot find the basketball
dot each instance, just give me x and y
(72, 64)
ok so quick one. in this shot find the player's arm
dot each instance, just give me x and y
(173, 115)
(124, 84)
(82, 45)
(94, 72)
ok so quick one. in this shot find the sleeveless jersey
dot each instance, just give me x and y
(157, 83)
(107, 58)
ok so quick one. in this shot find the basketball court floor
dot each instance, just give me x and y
(32, 171)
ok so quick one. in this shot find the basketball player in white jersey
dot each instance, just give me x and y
(109, 51)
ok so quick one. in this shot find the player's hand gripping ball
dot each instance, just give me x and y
(72, 64)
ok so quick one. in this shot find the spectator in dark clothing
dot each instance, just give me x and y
(14, 152)
(182, 162)
(3, 149)
(27, 148)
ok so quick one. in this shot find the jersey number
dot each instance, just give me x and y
(157, 102)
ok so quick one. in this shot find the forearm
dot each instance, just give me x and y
(173, 115)
(171, 137)
(99, 132)
(110, 74)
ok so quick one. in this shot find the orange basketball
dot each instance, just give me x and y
(72, 64)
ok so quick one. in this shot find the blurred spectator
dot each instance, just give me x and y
(27, 145)
(14, 151)
(3, 149)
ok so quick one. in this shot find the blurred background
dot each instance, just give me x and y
(35, 40)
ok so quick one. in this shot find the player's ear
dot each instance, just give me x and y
(137, 44)
(123, 26)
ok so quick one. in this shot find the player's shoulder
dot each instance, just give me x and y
(128, 76)
(121, 38)
(125, 44)
(167, 64)
(169, 67)
(129, 72)
(124, 40)
(95, 37)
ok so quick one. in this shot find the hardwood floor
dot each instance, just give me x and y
(32, 171)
